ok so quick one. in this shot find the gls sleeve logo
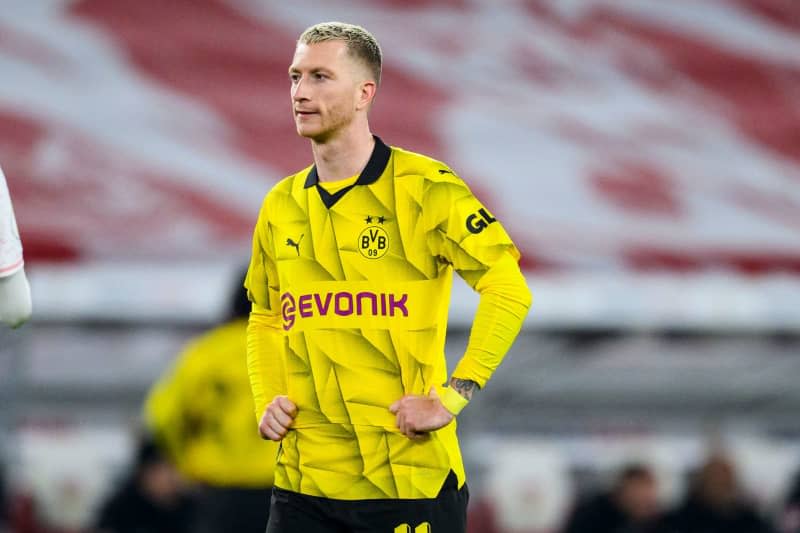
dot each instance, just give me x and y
(477, 222)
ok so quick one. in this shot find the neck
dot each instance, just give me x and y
(343, 155)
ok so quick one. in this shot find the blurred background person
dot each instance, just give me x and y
(631, 506)
(201, 412)
(715, 503)
(4, 511)
(789, 521)
(151, 499)
(15, 293)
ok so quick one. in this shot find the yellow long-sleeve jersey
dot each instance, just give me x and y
(350, 293)
(201, 410)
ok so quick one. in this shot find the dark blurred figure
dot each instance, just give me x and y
(201, 411)
(4, 504)
(715, 504)
(631, 506)
(151, 500)
(790, 516)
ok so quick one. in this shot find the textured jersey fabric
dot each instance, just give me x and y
(350, 290)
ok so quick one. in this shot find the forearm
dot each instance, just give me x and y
(15, 299)
(264, 360)
(503, 305)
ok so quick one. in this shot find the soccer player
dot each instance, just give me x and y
(350, 282)
(15, 293)
(200, 412)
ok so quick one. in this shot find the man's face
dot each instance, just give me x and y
(326, 84)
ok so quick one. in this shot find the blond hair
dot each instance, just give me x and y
(361, 44)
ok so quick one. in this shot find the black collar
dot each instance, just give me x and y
(375, 167)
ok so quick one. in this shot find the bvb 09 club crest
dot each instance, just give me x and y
(373, 241)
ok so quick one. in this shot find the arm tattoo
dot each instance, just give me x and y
(465, 387)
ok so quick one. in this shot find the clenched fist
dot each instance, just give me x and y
(277, 418)
(418, 414)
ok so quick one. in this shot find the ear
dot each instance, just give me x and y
(366, 93)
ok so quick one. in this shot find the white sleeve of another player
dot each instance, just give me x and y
(15, 293)
(15, 299)
(10, 244)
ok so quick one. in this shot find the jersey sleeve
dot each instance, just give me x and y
(465, 234)
(261, 270)
(10, 244)
(462, 231)
(264, 335)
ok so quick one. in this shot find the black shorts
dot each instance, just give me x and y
(231, 509)
(291, 512)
